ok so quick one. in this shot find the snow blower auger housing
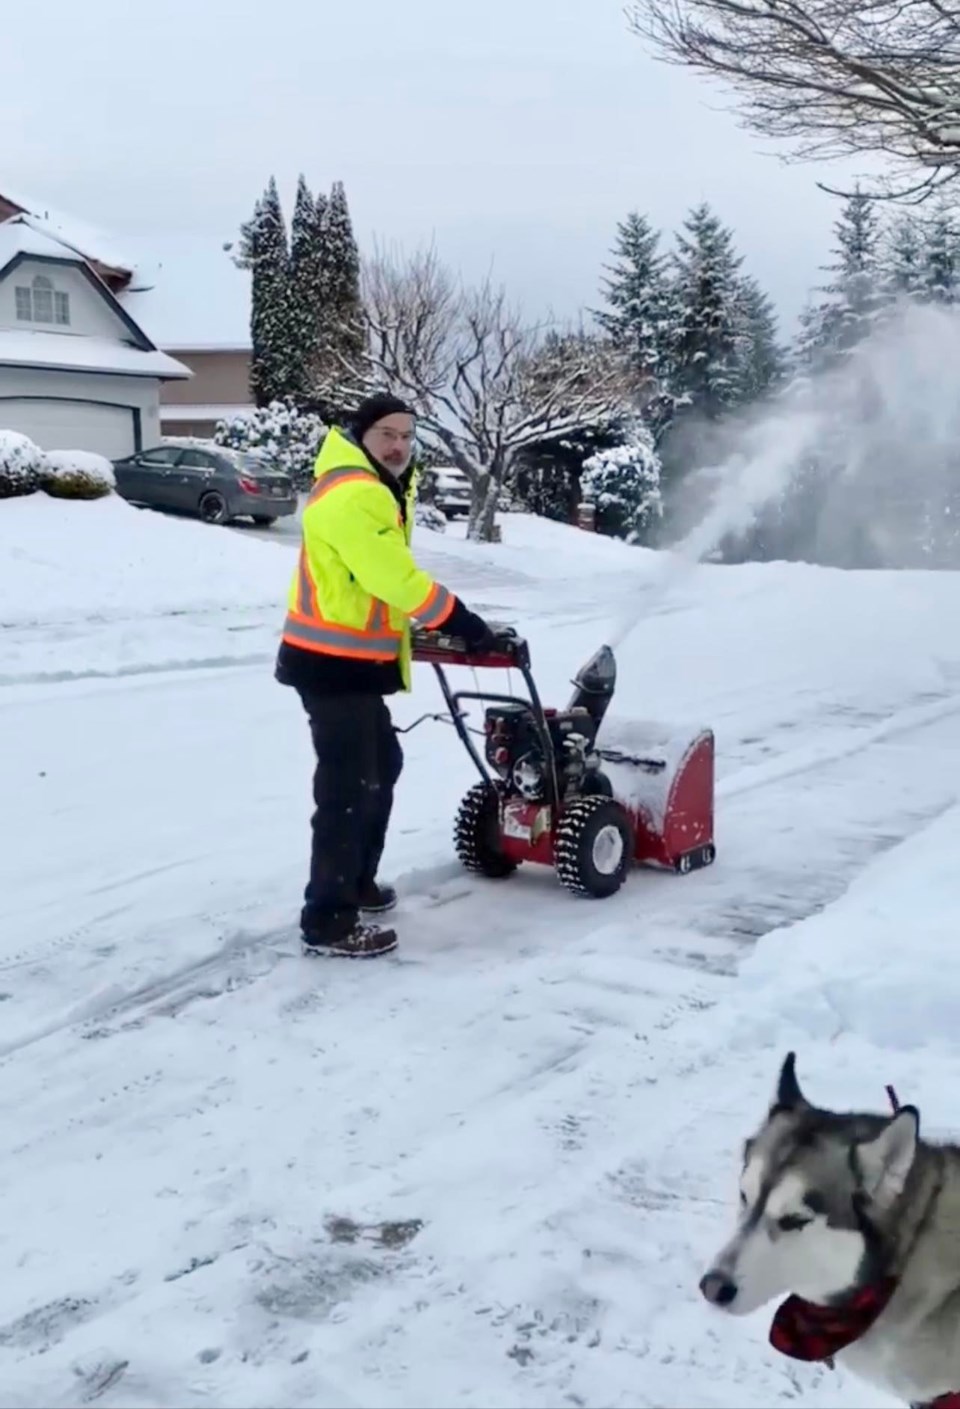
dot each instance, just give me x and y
(549, 794)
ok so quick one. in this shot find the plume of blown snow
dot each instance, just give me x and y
(856, 467)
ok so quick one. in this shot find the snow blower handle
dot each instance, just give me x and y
(505, 651)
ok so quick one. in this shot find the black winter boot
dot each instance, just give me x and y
(356, 941)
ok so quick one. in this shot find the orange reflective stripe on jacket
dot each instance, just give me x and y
(306, 626)
(330, 481)
(435, 610)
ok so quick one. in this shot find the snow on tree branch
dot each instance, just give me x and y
(834, 77)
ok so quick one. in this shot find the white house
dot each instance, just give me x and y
(77, 372)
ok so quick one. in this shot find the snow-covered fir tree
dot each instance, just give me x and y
(635, 293)
(624, 485)
(705, 318)
(343, 329)
(307, 298)
(815, 342)
(761, 359)
(903, 261)
(857, 289)
(263, 250)
(855, 295)
(941, 258)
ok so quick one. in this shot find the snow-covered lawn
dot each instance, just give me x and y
(486, 1172)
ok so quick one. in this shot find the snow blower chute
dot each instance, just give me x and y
(549, 794)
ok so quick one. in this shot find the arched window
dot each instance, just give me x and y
(42, 303)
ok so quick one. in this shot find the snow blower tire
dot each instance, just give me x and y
(476, 834)
(594, 847)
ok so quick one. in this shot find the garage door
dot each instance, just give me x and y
(71, 425)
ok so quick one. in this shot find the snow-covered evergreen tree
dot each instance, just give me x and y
(855, 296)
(635, 294)
(263, 250)
(244, 253)
(762, 362)
(307, 295)
(941, 258)
(856, 290)
(903, 261)
(705, 319)
(624, 485)
(343, 329)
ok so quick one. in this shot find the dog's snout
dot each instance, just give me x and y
(718, 1288)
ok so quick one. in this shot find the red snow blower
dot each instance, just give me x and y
(550, 795)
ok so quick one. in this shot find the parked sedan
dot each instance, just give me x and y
(214, 482)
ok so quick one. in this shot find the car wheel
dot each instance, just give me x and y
(213, 508)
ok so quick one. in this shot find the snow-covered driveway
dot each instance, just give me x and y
(486, 1172)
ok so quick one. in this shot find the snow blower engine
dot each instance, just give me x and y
(549, 794)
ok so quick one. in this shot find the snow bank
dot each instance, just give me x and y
(560, 549)
(880, 963)
(61, 563)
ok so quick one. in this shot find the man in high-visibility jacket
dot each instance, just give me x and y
(346, 644)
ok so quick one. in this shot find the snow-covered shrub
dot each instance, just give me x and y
(21, 464)
(76, 474)
(288, 438)
(624, 486)
(429, 516)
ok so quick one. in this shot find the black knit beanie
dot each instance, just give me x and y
(369, 412)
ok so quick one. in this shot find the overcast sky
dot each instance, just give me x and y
(511, 131)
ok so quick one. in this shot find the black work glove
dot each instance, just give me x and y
(473, 630)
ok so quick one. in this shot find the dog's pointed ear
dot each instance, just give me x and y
(885, 1161)
(788, 1094)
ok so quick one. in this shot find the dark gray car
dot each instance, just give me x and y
(214, 482)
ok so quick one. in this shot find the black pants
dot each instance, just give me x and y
(359, 760)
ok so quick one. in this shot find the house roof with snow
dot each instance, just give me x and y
(97, 248)
(190, 294)
(184, 290)
(26, 241)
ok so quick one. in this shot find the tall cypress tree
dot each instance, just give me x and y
(307, 299)
(343, 335)
(263, 249)
(635, 294)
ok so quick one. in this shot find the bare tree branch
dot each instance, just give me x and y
(833, 77)
(484, 385)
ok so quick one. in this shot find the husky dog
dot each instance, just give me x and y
(859, 1219)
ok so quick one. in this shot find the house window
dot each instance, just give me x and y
(42, 303)
(42, 299)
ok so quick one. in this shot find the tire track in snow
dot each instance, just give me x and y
(806, 760)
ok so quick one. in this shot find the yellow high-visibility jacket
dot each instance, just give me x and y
(357, 585)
